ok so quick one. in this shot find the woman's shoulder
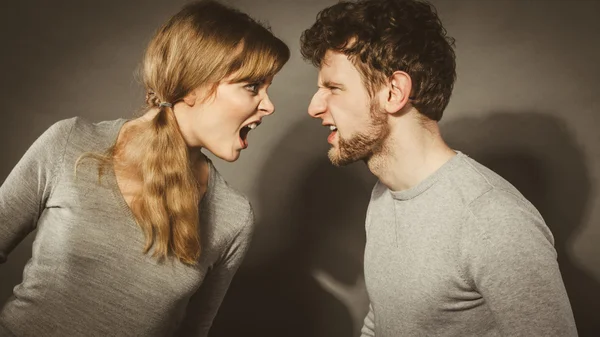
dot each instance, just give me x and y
(226, 204)
(227, 218)
(87, 130)
(228, 196)
(81, 132)
(75, 131)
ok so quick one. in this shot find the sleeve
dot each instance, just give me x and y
(205, 303)
(513, 265)
(24, 192)
(368, 329)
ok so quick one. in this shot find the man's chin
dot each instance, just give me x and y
(339, 160)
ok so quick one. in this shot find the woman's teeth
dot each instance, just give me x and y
(332, 128)
(252, 126)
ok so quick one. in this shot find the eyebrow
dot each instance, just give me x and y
(329, 84)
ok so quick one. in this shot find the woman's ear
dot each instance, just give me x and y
(397, 90)
(190, 98)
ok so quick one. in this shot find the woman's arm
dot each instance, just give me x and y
(24, 193)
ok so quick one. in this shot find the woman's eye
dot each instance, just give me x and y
(252, 87)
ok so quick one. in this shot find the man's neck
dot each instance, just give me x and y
(411, 153)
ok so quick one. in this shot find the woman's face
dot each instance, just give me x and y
(221, 122)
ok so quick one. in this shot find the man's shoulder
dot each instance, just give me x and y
(475, 184)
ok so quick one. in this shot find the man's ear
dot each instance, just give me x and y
(397, 91)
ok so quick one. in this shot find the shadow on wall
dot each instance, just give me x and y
(314, 286)
(536, 153)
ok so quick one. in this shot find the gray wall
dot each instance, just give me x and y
(526, 104)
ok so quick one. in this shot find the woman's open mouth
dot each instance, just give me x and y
(244, 131)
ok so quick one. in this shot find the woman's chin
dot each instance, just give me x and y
(231, 157)
(228, 156)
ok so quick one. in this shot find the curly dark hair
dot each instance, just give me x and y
(384, 36)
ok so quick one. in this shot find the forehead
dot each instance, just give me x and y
(337, 67)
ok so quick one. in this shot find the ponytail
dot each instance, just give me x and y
(167, 209)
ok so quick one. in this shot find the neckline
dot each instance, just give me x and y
(428, 182)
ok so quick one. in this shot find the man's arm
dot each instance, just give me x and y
(512, 262)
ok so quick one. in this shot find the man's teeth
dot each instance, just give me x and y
(252, 126)
(332, 128)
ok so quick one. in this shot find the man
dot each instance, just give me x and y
(452, 248)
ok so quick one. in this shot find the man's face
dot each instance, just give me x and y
(343, 103)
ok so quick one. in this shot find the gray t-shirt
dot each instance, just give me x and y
(88, 275)
(463, 253)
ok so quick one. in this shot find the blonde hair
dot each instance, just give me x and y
(201, 45)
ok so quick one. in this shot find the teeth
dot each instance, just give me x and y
(252, 126)
(332, 128)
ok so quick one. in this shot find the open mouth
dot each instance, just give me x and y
(244, 131)
(333, 130)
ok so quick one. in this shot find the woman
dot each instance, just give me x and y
(138, 234)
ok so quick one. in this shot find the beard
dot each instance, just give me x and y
(365, 144)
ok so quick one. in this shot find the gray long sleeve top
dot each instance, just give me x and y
(463, 253)
(88, 275)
